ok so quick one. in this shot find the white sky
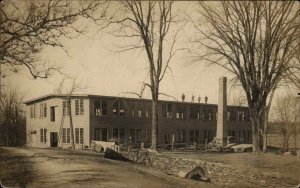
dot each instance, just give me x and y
(105, 72)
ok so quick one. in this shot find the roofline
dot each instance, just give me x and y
(52, 96)
(117, 97)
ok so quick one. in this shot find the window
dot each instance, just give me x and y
(241, 116)
(66, 135)
(139, 113)
(116, 108)
(147, 113)
(148, 136)
(133, 108)
(194, 136)
(32, 111)
(43, 110)
(122, 108)
(119, 135)
(181, 111)
(115, 135)
(207, 114)
(231, 115)
(100, 107)
(148, 110)
(132, 135)
(139, 135)
(228, 116)
(167, 139)
(167, 110)
(43, 135)
(122, 136)
(52, 113)
(100, 134)
(66, 107)
(232, 133)
(194, 112)
(207, 135)
(79, 135)
(180, 136)
(79, 107)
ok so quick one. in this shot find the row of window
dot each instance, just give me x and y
(43, 110)
(66, 135)
(137, 110)
(79, 109)
(180, 136)
(143, 110)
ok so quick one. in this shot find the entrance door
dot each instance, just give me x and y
(53, 139)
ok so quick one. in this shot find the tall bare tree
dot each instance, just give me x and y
(151, 23)
(28, 26)
(256, 41)
(287, 111)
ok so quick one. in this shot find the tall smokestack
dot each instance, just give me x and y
(222, 109)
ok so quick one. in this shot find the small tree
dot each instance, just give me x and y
(287, 111)
(62, 88)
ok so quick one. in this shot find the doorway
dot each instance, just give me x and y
(53, 139)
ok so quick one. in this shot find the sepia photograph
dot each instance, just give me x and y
(149, 94)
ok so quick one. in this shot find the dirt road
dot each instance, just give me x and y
(66, 168)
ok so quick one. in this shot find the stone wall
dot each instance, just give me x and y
(174, 165)
(218, 173)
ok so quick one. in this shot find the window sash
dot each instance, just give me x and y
(43, 135)
(79, 135)
(76, 107)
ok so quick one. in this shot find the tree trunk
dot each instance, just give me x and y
(71, 125)
(154, 130)
(266, 119)
(265, 130)
(256, 134)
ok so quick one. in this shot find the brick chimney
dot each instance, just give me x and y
(222, 109)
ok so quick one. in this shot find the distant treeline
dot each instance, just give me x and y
(12, 134)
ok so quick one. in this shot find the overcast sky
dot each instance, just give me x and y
(102, 71)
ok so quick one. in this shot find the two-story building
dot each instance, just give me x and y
(124, 120)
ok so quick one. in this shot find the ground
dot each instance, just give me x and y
(265, 169)
(68, 168)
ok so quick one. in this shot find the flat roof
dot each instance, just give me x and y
(45, 97)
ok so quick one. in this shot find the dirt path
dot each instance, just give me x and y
(66, 168)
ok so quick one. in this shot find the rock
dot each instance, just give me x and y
(111, 154)
(288, 153)
(263, 181)
(195, 174)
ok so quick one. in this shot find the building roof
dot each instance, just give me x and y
(49, 96)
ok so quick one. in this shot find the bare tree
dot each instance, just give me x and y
(287, 112)
(12, 118)
(257, 42)
(62, 88)
(28, 26)
(150, 22)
